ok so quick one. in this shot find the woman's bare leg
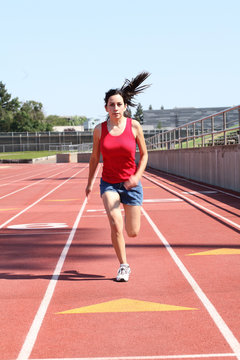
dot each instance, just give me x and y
(111, 201)
(132, 219)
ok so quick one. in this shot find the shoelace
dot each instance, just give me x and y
(123, 270)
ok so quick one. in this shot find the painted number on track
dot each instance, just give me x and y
(37, 226)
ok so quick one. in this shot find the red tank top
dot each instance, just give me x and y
(118, 154)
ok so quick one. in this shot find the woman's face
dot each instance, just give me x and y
(115, 106)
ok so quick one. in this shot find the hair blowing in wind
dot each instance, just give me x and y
(133, 87)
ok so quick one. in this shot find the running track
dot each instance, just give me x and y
(58, 296)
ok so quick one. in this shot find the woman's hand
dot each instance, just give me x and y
(88, 190)
(131, 182)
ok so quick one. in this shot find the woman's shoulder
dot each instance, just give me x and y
(98, 129)
(136, 124)
(136, 127)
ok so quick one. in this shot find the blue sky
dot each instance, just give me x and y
(68, 53)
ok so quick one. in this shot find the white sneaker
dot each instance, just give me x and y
(123, 272)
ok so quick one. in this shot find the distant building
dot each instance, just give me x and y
(91, 123)
(68, 128)
(171, 118)
(147, 127)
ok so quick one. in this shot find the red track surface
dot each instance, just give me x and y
(47, 269)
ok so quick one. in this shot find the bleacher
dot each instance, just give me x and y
(231, 139)
(171, 118)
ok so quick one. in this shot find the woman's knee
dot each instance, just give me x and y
(132, 232)
(116, 224)
(132, 220)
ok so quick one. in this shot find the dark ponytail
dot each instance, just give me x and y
(130, 89)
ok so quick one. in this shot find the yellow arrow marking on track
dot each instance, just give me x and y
(223, 251)
(9, 209)
(125, 305)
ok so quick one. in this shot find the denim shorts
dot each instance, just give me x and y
(134, 196)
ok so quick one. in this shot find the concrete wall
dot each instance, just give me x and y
(85, 157)
(66, 158)
(217, 165)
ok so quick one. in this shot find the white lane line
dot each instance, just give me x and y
(157, 357)
(224, 219)
(161, 200)
(218, 320)
(205, 186)
(14, 175)
(41, 198)
(37, 322)
(101, 210)
(200, 192)
(27, 177)
(39, 317)
(95, 210)
(35, 183)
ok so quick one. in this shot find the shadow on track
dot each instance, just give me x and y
(71, 275)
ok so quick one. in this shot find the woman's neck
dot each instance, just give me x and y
(117, 121)
(116, 126)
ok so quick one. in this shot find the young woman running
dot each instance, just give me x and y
(116, 140)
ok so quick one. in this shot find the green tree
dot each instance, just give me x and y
(139, 114)
(52, 119)
(22, 122)
(78, 120)
(56, 120)
(5, 100)
(30, 118)
(150, 107)
(129, 112)
(35, 111)
(8, 108)
(6, 119)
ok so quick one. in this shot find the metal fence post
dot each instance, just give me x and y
(202, 131)
(224, 128)
(212, 129)
(194, 133)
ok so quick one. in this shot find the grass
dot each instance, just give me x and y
(207, 138)
(25, 155)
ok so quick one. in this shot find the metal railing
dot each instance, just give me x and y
(81, 148)
(221, 128)
(45, 141)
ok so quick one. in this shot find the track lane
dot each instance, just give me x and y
(234, 221)
(36, 325)
(218, 320)
(89, 263)
(27, 262)
(30, 181)
(128, 335)
(196, 232)
(23, 198)
(194, 183)
(223, 200)
(18, 176)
